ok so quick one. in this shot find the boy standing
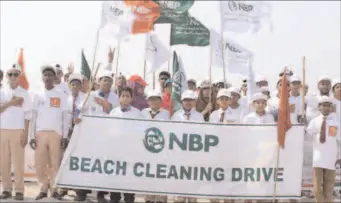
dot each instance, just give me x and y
(259, 116)
(157, 113)
(326, 150)
(124, 110)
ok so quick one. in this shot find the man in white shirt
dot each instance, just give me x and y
(125, 110)
(103, 100)
(50, 126)
(259, 116)
(59, 84)
(326, 150)
(157, 113)
(187, 113)
(74, 99)
(15, 116)
(222, 115)
(295, 99)
(324, 86)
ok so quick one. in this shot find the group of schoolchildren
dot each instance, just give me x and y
(53, 112)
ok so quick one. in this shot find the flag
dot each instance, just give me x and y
(179, 81)
(284, 122)
(85, 69)
(243, 16)
(185, 29)
(23, 79)
(131, 17)
(156, 52)
(236, 57)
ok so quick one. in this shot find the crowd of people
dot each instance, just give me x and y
(52, 113)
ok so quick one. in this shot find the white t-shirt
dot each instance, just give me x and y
(254, 118)
(92, 108)
(13, 118)
(230, 115)
(194, 115)
(337, 104)
(78, 101)
(63, 87)
(131, 112)
(50, 106)
(325, 154)
(161, 114)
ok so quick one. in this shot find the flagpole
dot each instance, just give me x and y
(303, 88)
(90, 87)
(210, 75)
(144, 70)
(153, 80)
(222, 43)
(94, 56)
(117, 58)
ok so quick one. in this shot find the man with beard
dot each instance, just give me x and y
(206, 103)
(324, 86)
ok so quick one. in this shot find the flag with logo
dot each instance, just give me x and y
(245, 16)
(284, 121)
(179, 81)
(23, 79)
(156, 53)
(85, 68)
(131, 17)
(185, 29)
(236, 57)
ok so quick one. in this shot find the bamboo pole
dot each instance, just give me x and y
(303, 88)
(116, 66)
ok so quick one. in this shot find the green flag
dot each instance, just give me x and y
(185, 29)
(179, 81)
(85, 69)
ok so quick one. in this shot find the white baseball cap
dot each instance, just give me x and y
(323, 78)
(48, 67)
(325, 99)
(76, 76)
(15, 67)
(261, 78)
(295, 78)
(58, 67)
(105, 73)
(153, 93)
(188, 94)
(335, 82)
(234, 90)
(223, 93)
(259, 96)
(264, 89)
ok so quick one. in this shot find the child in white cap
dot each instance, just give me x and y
(259, 116)
(326, 150)
(187, 113)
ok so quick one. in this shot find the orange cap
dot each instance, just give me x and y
(137, 79)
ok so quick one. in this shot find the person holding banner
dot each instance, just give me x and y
(203, 104)
(187, 113)
(50, 126)
(157, 113)
(124, 110)
(15, 116)
(325, 128)
(74, 99)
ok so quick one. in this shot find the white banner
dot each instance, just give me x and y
(188, 159)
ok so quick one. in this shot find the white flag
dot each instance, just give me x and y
(243, 16)
(237, 57)
(156, 53)
(216, 49)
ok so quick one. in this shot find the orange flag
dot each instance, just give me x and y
(23, 79)
(146, 13)
(284, 122)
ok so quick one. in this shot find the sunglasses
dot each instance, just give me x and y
(13, 74)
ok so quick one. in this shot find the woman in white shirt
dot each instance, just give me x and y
(326, 150)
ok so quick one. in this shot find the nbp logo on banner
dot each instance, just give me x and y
(154, 141)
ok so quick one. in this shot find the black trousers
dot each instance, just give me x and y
(116, 196)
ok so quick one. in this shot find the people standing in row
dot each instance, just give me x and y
(49, 133)
(15, 116)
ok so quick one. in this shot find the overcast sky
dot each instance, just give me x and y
(55, 32)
